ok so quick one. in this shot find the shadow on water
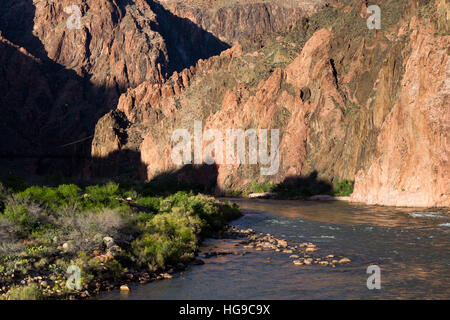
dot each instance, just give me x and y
(46, 107)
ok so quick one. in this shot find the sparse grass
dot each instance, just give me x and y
(29, 292)
(148, 234)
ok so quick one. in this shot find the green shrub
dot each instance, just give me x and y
(102, 196)
(30, 292)
(116, 269)
(261, 187)
(43, 195)
(150, 203)
(169, 237)
(39, 219)
(144, 217)
(343, 188)
(69, 192)
(24, 213)
(214, 213)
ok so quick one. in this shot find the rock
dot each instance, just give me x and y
(105, 257)
(294, 256)
(345, 260)
(109, 242)
(181, 266)
(288, 251)
(330, 256)
(323, 263)
(262, 195)
(307, 261)
(282, 243)
(68, 246)
(124, 288)
(113, 250)
(267, 245)
(298, 262)
(166, 276)
(198, 262)
(310, 250)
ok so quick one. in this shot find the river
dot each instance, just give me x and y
(411, 247)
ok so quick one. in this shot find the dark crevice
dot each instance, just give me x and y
(44, 105)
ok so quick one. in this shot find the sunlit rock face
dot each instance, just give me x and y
(349, 102)
(412, 166)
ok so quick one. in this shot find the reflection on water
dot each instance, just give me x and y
(343, 213)
(409, 245)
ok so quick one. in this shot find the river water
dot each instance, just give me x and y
(411, 247)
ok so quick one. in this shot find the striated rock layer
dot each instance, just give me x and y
(412, 165)
(56, 81)
(350, 103)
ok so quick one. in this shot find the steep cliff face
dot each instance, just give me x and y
(348, 101)
(412, 166)
(78, 73)
(237, 19)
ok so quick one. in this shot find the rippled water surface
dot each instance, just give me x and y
(411, 247)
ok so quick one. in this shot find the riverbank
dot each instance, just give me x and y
(110, 234)
(408, 244)
(318, 197)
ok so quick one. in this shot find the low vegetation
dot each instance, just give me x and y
(296, 188)
(113, 233)
(343, 188)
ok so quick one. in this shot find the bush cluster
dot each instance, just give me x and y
(45, 229)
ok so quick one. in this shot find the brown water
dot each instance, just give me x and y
(411, 246)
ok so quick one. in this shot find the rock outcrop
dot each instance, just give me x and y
(77, 72)
(233, 20)
(412, 166)
(348, 101)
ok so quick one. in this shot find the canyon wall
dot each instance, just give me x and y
(57, 80)
(350, 103)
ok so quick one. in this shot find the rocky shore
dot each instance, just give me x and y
(303, 254)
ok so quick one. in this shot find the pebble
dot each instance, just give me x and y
(261, 241)
(198, 262)
(124, 288)
(282, 243)
(310, 249)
